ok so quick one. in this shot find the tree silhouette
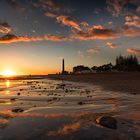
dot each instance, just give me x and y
(129, 63)
(123, 63)
(81, 68)
(106, 67)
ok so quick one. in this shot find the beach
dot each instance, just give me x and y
(60, 109)
(128, 82)
(69, 70)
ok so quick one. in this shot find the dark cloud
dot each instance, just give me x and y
(138, 9)
(13, 3)
(118, 7)
(5, 27)
(115, 6)
(53, 7)
(16, 4)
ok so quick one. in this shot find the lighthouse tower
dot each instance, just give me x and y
(63, 66)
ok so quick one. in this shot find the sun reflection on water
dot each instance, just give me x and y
(7, 92)
(7, 83)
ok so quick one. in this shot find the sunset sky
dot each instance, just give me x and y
(36, 34)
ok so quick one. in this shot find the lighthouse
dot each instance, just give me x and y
(63, 66)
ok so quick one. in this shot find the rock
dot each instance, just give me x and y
(66, 90)
(62, 85)
(18, 94)
(134, 93)
(81, 103)
(13, 99)
(107, 121)
(54, 98)
(17, 110)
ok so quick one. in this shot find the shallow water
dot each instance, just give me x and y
(68, 103)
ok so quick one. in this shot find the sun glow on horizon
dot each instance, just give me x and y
(8, 73)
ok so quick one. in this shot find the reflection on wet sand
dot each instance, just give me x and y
(7, 92)
(57, 110)
(64, 125)
(7, 83)
(66, 129)
(4, 123)
(5, 102)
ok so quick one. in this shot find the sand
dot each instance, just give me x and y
(61, 110)
(112, 81)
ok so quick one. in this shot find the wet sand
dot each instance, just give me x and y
(115, 81)
(61, 110)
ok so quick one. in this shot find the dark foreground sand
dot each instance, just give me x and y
(118, 81)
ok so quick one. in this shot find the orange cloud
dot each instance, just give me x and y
(10, 38)
(85, 24)
(83, 34)
(55, 38)
(132, 21)
(5, 28)
(111, 45)
(68, 22)
(50, 14)
(94, 50)
(133, 51)
(95, 32)
(129, 32)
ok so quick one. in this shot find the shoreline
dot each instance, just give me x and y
(33, 77)
(128, 82)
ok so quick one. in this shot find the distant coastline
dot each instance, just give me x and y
(23, 77)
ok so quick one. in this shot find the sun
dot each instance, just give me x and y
(8, 73)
